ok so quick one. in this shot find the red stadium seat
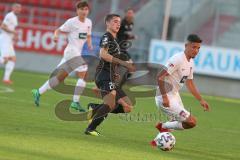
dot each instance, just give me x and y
(44, 22)
(66, 16)
(53, 14)
(34, 2)
(2, 8)
(1, 17)
(56, 4)
(45, 13)
(44, 3)
(36, 21)
(23, 19)
(25, 10)
(68, 5)
(24, 1)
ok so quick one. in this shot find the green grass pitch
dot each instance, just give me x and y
(35, 133)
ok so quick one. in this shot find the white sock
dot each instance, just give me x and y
(8, 70)
(79, 90)
(53, 82)
(173, 125)
(1, 60)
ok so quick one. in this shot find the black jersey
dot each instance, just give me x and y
(106, 70)
(125, 31)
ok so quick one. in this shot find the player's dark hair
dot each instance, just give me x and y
(194, 38)
(82, 4)
(128, 9)
(109, 17)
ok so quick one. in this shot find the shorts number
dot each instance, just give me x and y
(112, 85)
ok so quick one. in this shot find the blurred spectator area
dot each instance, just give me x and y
(216, 21)
(56, 12)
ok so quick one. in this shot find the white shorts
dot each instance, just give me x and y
(176, 110)
(6, 48)
(75, 64)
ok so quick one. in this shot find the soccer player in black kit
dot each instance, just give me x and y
(125, 32)
(106, 75)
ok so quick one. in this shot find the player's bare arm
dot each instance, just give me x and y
(193, 89)
(160, 79)
(89, 42)
(5, 28)
(56, 34)
(109, 58)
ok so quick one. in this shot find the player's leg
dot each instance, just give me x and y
(109, 94)
(81, 73)
(182, 119)
(3, 60)
(9, 54)
(61, 73)
(124, 104)
(9, 67)
(48, 85)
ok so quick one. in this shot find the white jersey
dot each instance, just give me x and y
(77, 34)
(179, 70)
(11, 21)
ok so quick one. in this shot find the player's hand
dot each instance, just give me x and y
(131, 67)
(90, 47)
(15, 36)
(55, 38)
(165, 101)
(117, 77)
(205, 105)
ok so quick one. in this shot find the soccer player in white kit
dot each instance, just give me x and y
(7, 37)
(179, 70)
(78, 30)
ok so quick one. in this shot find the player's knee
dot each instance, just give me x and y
(11, 59)
(191, 122)
(128, 108)
(62, 76)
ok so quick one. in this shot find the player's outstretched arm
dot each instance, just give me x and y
(161, 83)
(56, 35)
(89, 42)
(109, 58)
(193, 89)
(5, 28)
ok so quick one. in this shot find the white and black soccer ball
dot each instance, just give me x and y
(165, 141)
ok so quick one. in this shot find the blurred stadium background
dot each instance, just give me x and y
(27, 132)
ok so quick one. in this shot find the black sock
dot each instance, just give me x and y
(95, 105)
(99, 116)
(96, 122)
(118, 109)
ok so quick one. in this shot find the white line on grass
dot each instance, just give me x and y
(4, 89)
(22, 101)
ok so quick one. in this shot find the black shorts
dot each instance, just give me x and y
(107, 86)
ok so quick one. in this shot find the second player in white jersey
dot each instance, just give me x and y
(78, 31)
(178, 71)
(7, 37)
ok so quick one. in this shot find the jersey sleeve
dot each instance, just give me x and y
(89, 32)
(7, 20)
(172, 65)
(66, 27)
(104, 43)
